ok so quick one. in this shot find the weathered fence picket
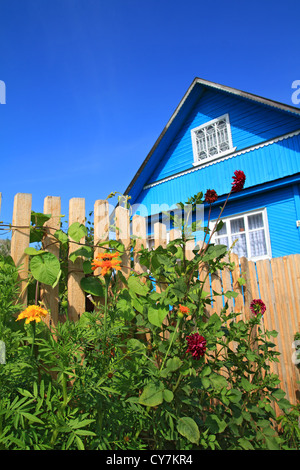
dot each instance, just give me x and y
(275, 281)
(50, 295)
(20, 238)
(76, 296)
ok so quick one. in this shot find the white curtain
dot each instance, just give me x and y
(257, 238)
(240, 247)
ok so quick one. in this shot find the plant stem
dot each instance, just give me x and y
(33, 337)
(171, 342)
(107, 281)
(64, 389)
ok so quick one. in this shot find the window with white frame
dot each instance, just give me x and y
(212, 139)
(247, 234)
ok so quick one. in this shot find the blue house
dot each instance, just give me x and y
(214, 131)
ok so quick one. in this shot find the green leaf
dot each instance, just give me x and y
(231, 294)
(152, 394)
(205, 371)
(234, 395)
(217, 381)
(245, 444)
(136, 286)
(84, 251)
(77, 231)
(61, 236)
(215, 320)
(124, 306)
(38, 218)
(179, 288)
(168, 395)
(32, 251)
(246, 385)
(205, 382)
(92, 285)
(174, 363)
(80, 445)
(156, 315)
(214, 251)
(188, 428)
(87, 267)
(135, 345)
(215, 424)
(117, 245)
(45, 268)
(272, 444)
(57, 279)
(30, 417)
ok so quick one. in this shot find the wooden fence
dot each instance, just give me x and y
(275, 281)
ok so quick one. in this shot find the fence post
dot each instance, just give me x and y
(139, 231)
(160, 239)
(247, 287)
(123, 235)
(21, 238)
(76, 296)
(236, 274)
(50, 295)
(160, 235)
(101, 227)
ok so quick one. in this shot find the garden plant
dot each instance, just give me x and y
(147, 368)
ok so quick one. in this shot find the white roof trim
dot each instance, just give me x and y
(217, 160)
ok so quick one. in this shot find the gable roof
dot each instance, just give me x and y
(193, 93)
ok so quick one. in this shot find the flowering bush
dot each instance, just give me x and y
(148, 368)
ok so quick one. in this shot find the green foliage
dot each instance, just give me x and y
(121, 377)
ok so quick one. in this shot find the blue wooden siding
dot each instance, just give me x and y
(268, 163)
(281, 214)
(251, 124)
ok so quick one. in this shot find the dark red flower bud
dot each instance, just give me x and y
(257, 306)
(211, 196)
(196, 345)
(239, 179)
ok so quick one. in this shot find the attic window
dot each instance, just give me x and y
(212, 140)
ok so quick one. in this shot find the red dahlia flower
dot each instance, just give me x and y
(211, 196)
(196, 345)
(257, 306)
(239, 179)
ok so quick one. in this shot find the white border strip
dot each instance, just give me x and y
(235, 154)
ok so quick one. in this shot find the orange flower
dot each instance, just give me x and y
(32, 313)
(107, 262)
(184, 309)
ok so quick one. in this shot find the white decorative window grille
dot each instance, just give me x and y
(247, 234)
(212, 139)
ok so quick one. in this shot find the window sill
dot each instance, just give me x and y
(215, 158)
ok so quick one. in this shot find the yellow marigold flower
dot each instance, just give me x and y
(32, 313)
(107, 262)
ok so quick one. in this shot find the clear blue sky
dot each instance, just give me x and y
(90, 84)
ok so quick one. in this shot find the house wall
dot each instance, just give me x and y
(265, 164)
(281, 212)
(251, 124)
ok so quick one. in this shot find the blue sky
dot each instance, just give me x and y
(90, 84)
